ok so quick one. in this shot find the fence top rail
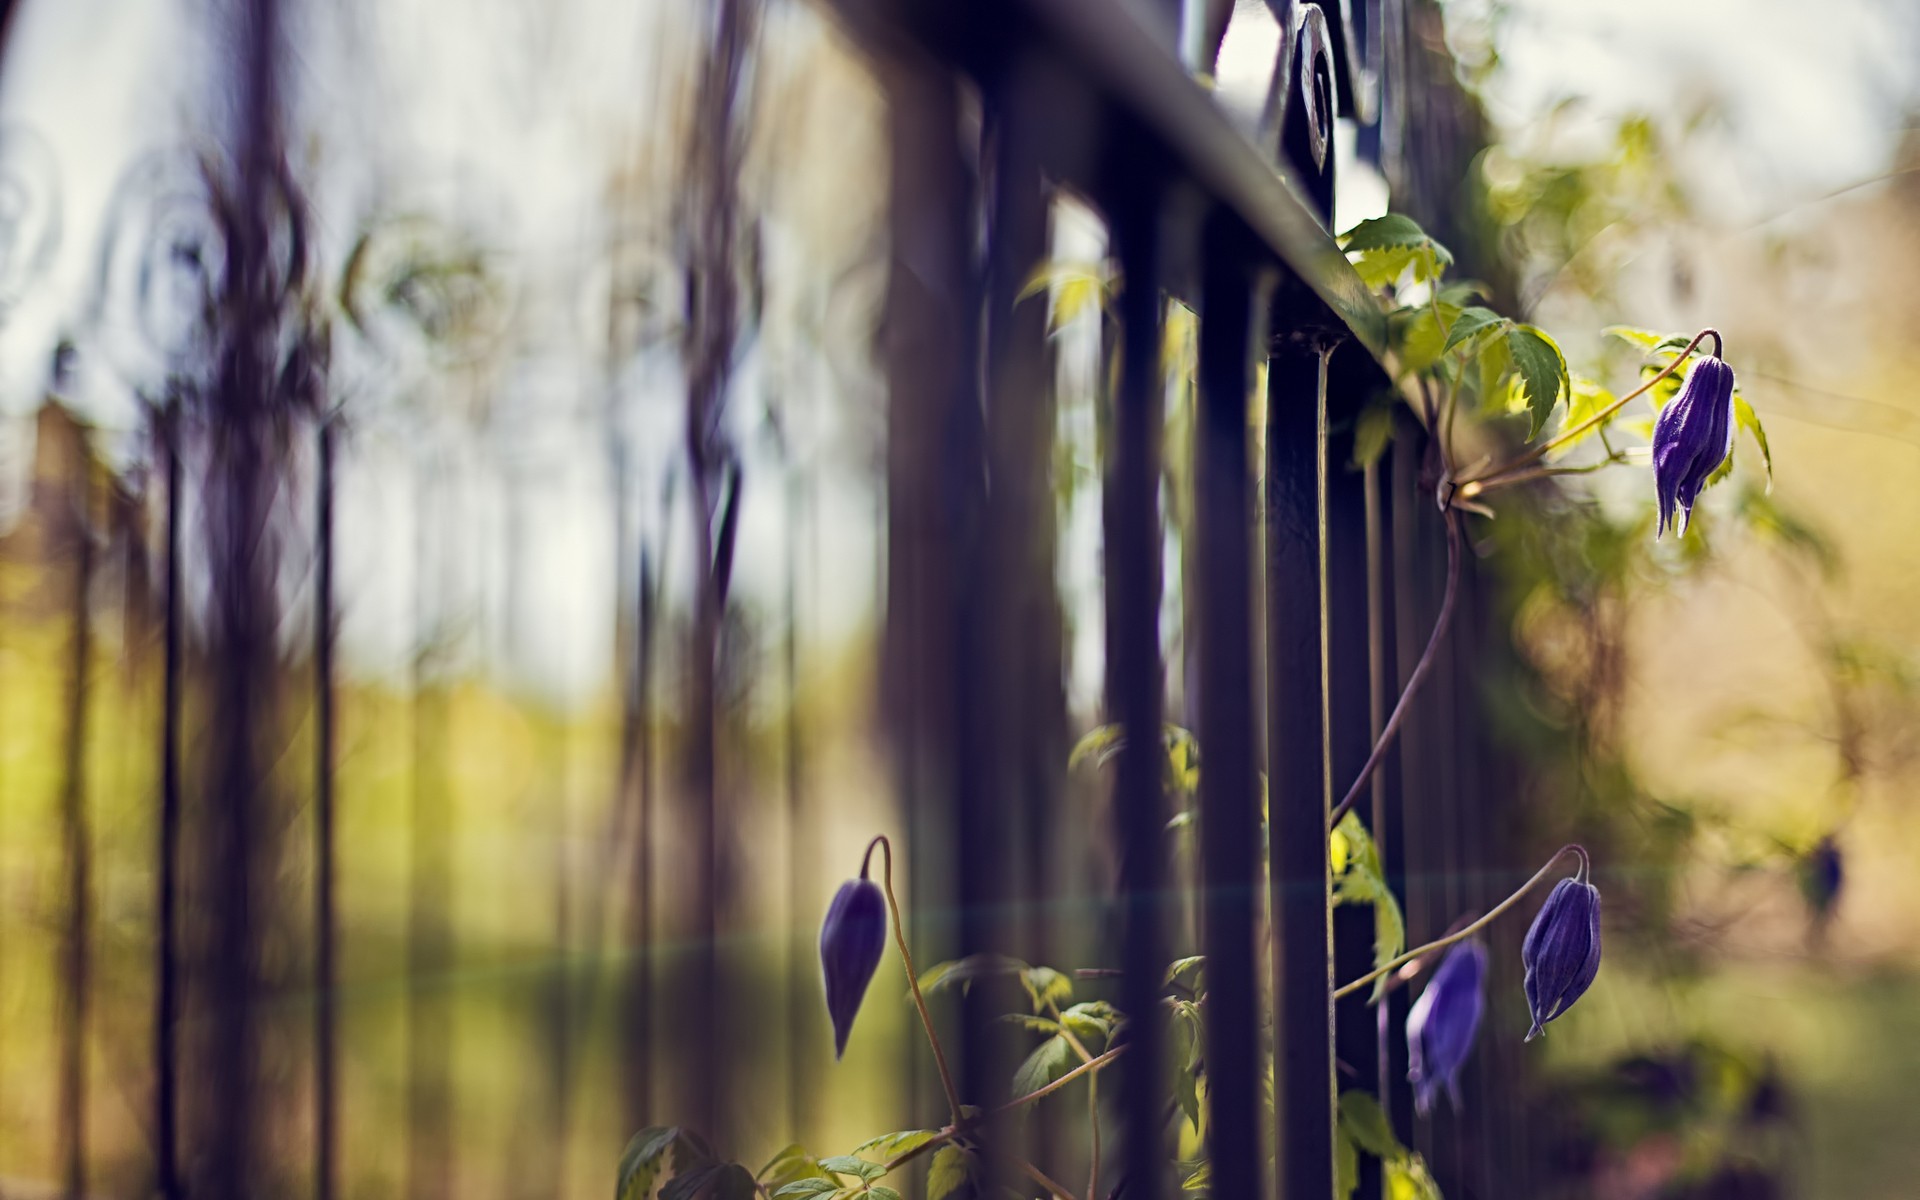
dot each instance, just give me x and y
(1135, 74)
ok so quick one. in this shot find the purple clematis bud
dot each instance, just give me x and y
(1822, 874)
(1691, 438)
(851, 939)
(1562, 951)
(1442, 1022)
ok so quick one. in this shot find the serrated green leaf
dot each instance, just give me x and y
(951, 1169)
(1542, 371)
(1046, 987)
(1028, 1021)
(790, 1164)
(1492, 363)
(1749, 420)
(1471, 323)
(641, 1161)
(1384, 248)
(1346, 1165)
(892, 1145)
(799, 1189)
(881, 1192)
(847, 1164)
(1367, 1124)
(1049, 1061)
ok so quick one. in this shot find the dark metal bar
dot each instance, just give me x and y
(1349, 735)
(1229, 801)
(1300, 789)
(1133, 581)
(326, 1148)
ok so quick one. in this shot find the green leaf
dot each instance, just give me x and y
(1030, 1022)
(1420, 334)
(1183, 967)
(891, 1145)
(1100, 744)
(711, 1181)
(951, 1170)
(1471, 323)
(1092, 1021)
(1542, 369)
(810, 1186)
(1465, 290)
(1367, 1124)
(1385, 248)
(1046, 987)
(791, 1164)
(1049, 1061)
(640, 1163)
(1585, 401)
(1199, 1180)
(1749, 420)
(961, 972)
(1346, 1165)
(879, 1192)
(1495, 362)
(1646, 339)
(1409, 1179)
(847, 1164)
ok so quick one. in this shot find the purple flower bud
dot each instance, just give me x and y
(1442, 1023)
(851, 939)
(1692, 437)
(1562, 951)
(1822, 873)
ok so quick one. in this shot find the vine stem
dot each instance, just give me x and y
(961, 1126)
(1496, 478)
(913, 977)
(1583, 874)
(1419, 675)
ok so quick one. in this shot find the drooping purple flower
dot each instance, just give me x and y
(851, 939)
(1442, 1023)
(1691, 438)
(1562, 951)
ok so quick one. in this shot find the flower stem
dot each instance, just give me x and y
(1470, 488)
(1040, 1177)
(1585, 870)
(1419, 676)
(913, 977)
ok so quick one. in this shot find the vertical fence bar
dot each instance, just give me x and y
(1133, 581)
(1300, 789)
(326, 1114)
(1229, 803)
(1349, 736)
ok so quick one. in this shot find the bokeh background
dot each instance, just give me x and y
(537, 455)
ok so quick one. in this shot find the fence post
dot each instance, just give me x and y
(1299, 798)
(1229, 806)
(1133, 581)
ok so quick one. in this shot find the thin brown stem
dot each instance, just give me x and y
(913, 977)
(1040, 1177)
(1421, 670)
(959, 1127)
(1468, 931)
(1473, 487)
